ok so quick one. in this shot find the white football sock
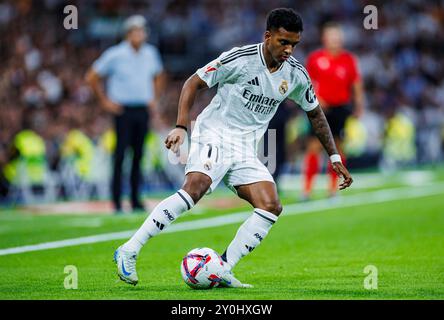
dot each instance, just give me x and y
(162, 216)
(249, 236)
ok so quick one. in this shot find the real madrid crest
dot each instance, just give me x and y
(283, 88)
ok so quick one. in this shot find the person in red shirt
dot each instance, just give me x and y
(337, 82)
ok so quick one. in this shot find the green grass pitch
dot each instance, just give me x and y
(317, 255)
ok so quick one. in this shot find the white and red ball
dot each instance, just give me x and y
(202, 268)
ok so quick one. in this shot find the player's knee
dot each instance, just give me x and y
(196, 195)
(196, 186)
(273, 206)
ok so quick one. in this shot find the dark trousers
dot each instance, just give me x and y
(336, 118)
(131, 127)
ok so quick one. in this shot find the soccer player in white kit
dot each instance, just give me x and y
(252, 81)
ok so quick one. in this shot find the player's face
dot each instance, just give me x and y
(281, 43)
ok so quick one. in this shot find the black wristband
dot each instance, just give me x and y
(182, 127)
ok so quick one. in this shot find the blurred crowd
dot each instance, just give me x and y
(42, 85)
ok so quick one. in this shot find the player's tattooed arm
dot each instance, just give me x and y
(323, 132)
(322, 129)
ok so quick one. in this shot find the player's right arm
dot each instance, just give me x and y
(177, 136)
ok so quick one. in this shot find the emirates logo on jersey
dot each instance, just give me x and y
(283, 88)
(259, 103)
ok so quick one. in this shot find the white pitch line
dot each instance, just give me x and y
(293, 209)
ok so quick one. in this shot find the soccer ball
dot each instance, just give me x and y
(202, 268)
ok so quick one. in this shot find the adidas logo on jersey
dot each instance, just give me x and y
(254, 82)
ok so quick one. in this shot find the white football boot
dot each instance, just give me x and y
(230, 281)
(126, 265)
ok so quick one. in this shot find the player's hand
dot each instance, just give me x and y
(339, 168)
(112, 107)
(175, 139)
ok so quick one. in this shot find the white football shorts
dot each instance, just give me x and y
(233, 163)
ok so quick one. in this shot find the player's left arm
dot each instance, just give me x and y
(303, 94)
(323, 132)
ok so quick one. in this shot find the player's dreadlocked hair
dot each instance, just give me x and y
(286, 18)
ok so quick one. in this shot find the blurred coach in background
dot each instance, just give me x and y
(134, 79)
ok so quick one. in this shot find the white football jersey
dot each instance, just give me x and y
(248, 95)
